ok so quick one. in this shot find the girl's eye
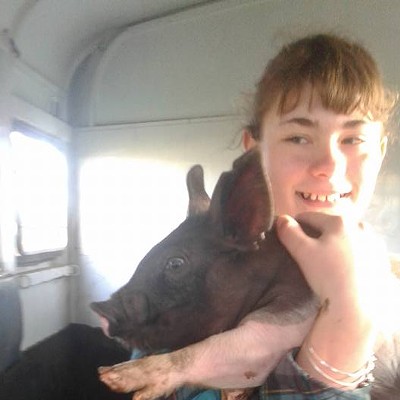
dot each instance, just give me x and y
(353, 140)
(297, 140)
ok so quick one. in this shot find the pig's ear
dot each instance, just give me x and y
(199, 201)
(241, 205)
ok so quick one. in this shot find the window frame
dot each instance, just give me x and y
(22, 258)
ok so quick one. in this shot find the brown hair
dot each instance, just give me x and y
(343, 73)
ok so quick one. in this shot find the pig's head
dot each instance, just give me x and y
(221, 263)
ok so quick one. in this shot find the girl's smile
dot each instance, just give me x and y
(321, 200)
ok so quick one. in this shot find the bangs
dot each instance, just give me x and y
(342, 73)
(341, 93)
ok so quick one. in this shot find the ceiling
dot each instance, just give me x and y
(52, 36)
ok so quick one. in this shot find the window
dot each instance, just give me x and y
(41, 189)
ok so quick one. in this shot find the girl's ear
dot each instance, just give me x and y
(247, 139)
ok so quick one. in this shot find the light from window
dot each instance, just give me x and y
(127, 205)
(41, 187)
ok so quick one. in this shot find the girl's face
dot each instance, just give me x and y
(318, 160)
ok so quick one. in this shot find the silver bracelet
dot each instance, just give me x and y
(359, 376)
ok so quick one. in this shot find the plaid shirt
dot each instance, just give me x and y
(287, 382)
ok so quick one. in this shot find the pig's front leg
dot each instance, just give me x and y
(241, 357)
(149, 377)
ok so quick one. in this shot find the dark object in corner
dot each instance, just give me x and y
(10, 323)
(64, 367)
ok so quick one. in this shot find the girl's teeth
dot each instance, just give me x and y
(321, 197)
(333, 197)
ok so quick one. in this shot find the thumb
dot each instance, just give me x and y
(292, 236)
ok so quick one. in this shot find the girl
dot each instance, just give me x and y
(319, 117)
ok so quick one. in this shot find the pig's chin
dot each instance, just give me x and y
(130, 342)
(124, 337)
(110, 327)
(148, 337)
(114, 332)
(135, 343)
(105, 325)
(148, 341)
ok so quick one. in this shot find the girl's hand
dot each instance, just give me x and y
(343, 265)
(346, 268)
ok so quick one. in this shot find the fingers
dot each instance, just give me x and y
(120, 383)
(329, 224)
(115, 382)
(116, 378)
(293, 237)
(334, 262)
(103, 369)
(298, 242)
(324, 259)
(144, 377)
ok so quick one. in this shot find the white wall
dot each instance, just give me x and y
(198, 63)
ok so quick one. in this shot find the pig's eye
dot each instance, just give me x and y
(174, 264)
(177, 273)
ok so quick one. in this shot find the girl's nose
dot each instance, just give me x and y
(328, 162)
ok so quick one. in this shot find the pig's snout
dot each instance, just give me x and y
(122, 312)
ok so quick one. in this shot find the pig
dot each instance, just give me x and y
(223, 266)
(223, 262)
